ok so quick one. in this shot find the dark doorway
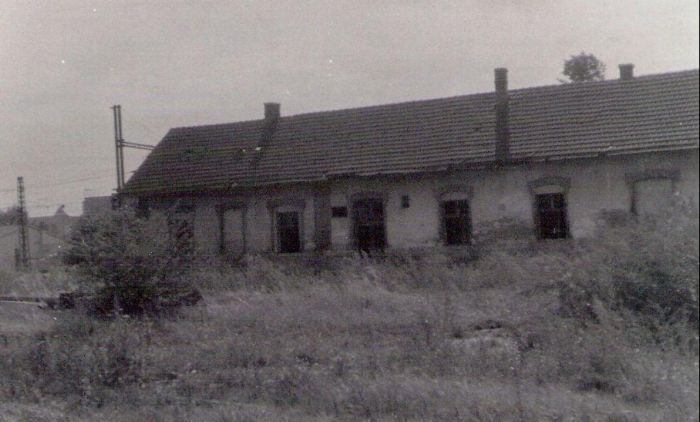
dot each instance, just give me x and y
(551, 216)
(457, 222)
(368, 216)
(288, 232)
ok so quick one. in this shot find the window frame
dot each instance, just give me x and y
(377, 198)
(560, 211)
(454, 192)
(550, 185)
(222, 208)
(282, 205)
(279, 213)
(632, 179)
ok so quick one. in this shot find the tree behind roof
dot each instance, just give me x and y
(583, 68)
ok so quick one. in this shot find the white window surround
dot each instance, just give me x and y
(455, 192)
(547, 185)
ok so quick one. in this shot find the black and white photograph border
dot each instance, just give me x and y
(406, 210)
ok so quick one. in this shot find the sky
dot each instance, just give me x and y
(170, 63)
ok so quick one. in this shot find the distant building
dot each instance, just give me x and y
(433, 172)
(96, 205)
(58, 225)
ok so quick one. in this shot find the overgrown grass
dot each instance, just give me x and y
(47, 283)
(511, 331)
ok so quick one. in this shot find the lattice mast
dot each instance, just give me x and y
(22, 225)
(119, 145)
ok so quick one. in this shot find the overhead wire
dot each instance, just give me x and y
(65, 182)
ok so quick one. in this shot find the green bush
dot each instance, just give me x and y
(646, 268)
(129, 264)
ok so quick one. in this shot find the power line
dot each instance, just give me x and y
(66, 182)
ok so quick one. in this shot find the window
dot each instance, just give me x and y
(652, 196)
(405, 201)
(456, 222)
(339, 212)
(551, 216)
(368, 215)
(288, 232)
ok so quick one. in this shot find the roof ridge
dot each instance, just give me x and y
(337, 110)
(636, 78)
(664, 75)
(213, 125)
(487, 93)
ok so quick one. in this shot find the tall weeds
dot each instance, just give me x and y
(604, 330)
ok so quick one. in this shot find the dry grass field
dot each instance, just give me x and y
(510, 332)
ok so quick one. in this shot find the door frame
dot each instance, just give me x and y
(221, 210)
(278, 241)
(369, 196)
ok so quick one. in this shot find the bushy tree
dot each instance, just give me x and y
(583, 68)
(130, 264)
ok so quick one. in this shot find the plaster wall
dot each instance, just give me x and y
(590, 186)
(258, 218)
(593, 185)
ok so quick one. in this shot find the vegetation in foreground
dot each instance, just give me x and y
(585, 330)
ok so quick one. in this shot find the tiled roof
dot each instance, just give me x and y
(645, 114)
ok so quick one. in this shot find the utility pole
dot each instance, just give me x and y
(23, 260)
(119, 145)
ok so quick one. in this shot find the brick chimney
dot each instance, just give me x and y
(502, 112)
(626, 72)
(272, 111)
(272, 115)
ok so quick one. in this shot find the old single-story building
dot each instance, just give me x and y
(432, 172)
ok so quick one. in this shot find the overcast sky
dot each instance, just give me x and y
(176, 63)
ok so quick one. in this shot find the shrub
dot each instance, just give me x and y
(646, 267)
(130, 265)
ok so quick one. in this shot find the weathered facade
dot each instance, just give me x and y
(435, 172)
